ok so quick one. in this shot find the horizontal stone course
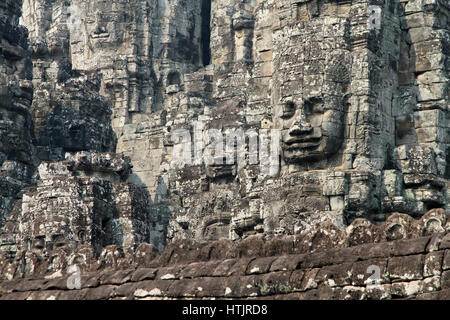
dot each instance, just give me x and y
(403, 273)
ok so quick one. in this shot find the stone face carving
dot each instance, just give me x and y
(75, 198)
(16, 94)
(310, 87)
(79, 120)
(89, 204)
(15, 131)
(314, 130)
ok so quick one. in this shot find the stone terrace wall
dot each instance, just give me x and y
(54, 261)
(413, 269)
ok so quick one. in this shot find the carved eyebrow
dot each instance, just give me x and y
(288, 109)
(309, 105)
(314, 100)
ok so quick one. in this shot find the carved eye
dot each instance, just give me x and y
(288, 110)
(313, 106)
(39, 243)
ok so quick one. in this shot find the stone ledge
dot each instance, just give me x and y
(296, 276)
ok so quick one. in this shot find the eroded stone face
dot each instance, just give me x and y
(13, 129)
(90, 204)
(311, 80)
(79, 119)
(216, 231)
(16, 93)
(314, 130)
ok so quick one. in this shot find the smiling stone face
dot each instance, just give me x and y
(16, 93)
(312, 129)
(15, 127)
(312, 73)
(311, 112)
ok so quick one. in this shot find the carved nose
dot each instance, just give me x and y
(300, 128)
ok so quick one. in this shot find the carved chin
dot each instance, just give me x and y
(309, 151)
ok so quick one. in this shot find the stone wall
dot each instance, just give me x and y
(358, 89)
(94, 95)
(110, 245)
(409, 269)
(16, 93)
